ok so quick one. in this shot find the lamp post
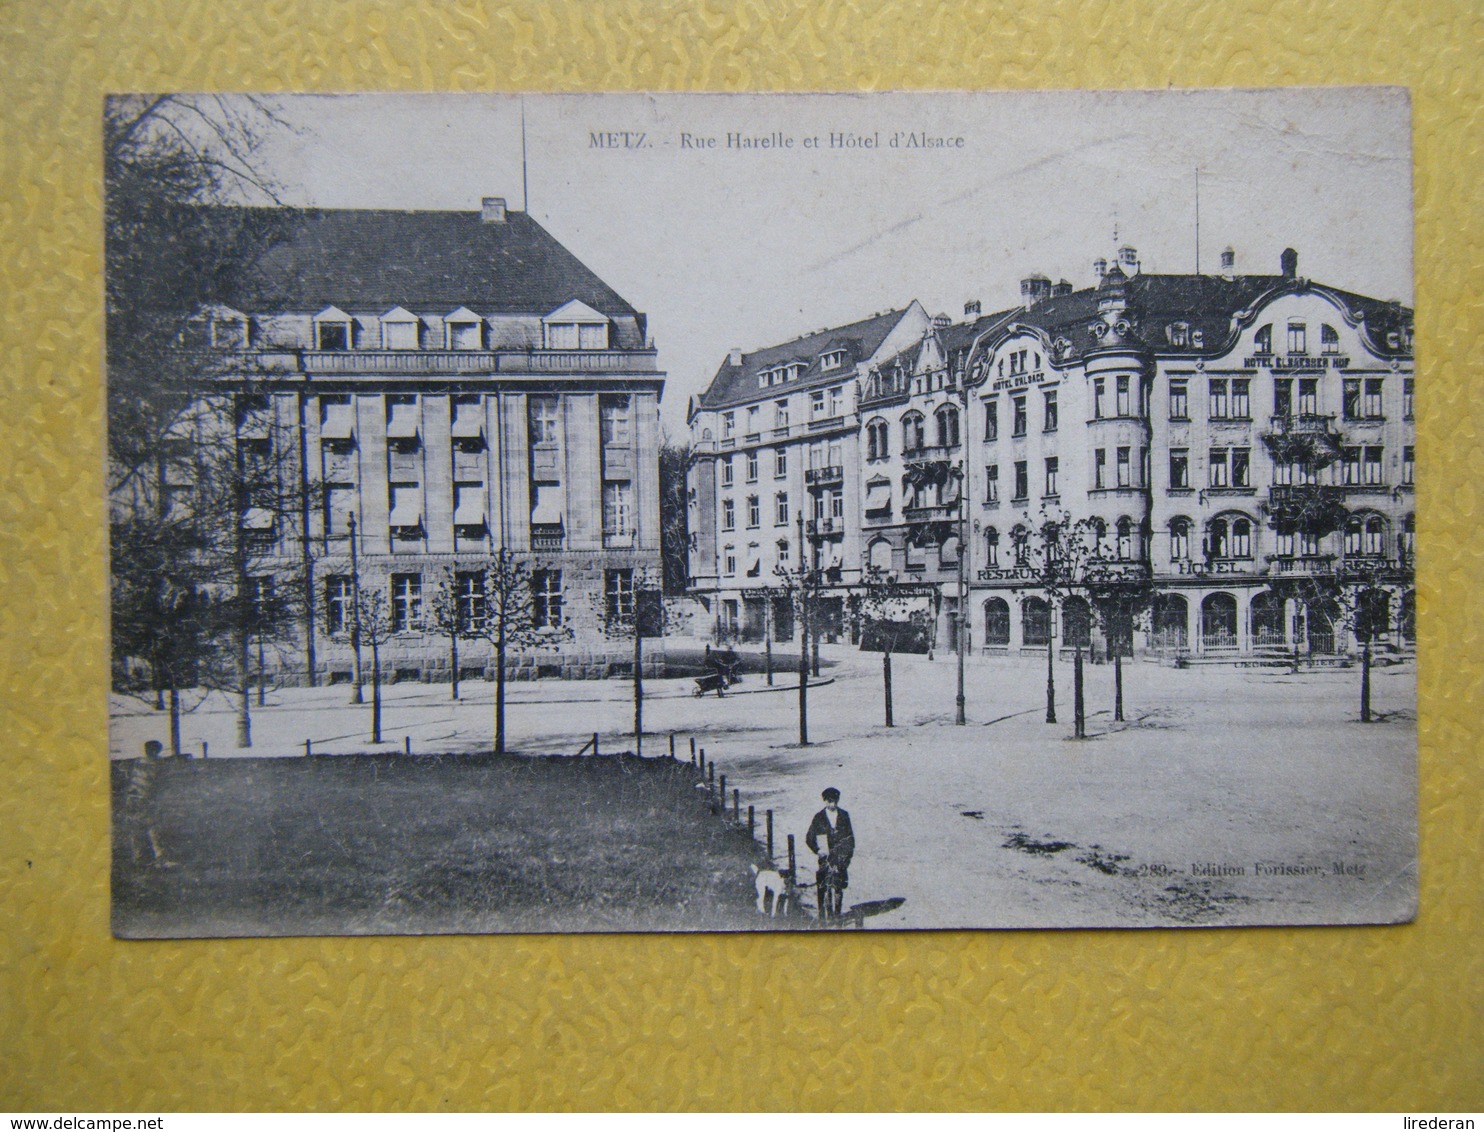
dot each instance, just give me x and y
(803, 639)
(959, 715)
(355, 611)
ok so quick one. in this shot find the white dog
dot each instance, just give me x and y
(769, 881)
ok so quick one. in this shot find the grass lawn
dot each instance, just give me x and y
(390, 844)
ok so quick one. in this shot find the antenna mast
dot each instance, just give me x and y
(525, 189)
(1197, 219)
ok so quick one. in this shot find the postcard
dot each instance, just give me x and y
(608, 513)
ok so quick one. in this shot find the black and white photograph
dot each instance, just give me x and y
(649, 513)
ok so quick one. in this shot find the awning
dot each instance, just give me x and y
(836, 559)
(257, 519)
(403, 425)
(878, 497)
(754, 562)
(548, 506)
(469, 511)
(468, 423)
(407, 510)
(339, 423)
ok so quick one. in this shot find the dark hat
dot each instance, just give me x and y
(830, 794)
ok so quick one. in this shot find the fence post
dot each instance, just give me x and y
(204, 748)
(751, 822)
(722, 797)
(702, 763)
(595, 742)
(770, 837)
(308, 748)
(736, 805)
(672, 745)
(793, 876)
(692, 750)
(711, 784)
(407, 743)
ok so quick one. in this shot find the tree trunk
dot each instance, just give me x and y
(1079, 710)
(453, 664)
(262, 675)
(1118, 684)
(1050, 677)
(803, 674)
(814, 641)
(638, 690)
(174, 720)
(375, 692)
(886, 684)
(1365, 681)
(768, 637)
(244, 684)
(500, 691)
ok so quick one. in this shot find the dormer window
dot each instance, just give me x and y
(1264, 340)
(576, 326)
(399, 328)
(1179, 333)
(229, 332)
(832, 360)
(1329, 339)
(465, 330)
(333, 330)
(1298, 338)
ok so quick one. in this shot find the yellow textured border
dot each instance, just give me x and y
(1317, 1018)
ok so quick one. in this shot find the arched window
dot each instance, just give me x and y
(1219, 621)
(1264, 340)
(1329, 338)
(992, 549)
(1267, 620)
(1216, 544)
(1125, 539)
(1021, 538)
(914, 436)
(1241, 538)
(1407, 539)
(1099, 530)
(1169, 622)
(1375, 536)
(880, 555)
(1179, 539)
(947, 418)
(1035, 621)
(876, 446)
(996, 621)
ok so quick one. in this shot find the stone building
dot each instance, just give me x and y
(444, 384)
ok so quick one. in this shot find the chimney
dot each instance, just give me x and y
(1100, 267)
(1061, 288)
(1034, 288)
(971, 309)
(734, 356)
(1128, 260)
(1228, 263)
(1289, 260)
(941, 320)
(492, 210)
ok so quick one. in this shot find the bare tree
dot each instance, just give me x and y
(801, 586)
(1122, 595)
(631, 608)
(455, 607)
(1058, 550)
(885, 619)
(374, 622)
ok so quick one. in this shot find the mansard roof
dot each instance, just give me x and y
(370, 260)
(736, 385)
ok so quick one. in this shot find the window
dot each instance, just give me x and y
(1180, 468)
(1329, 339)
(1372, 469)
(913, 432)
(780, 509)
(1178, 333)
(992, 419)
(783, 552)
(780, 414)
(1263, 340)
(614, 420)
(754, 512)
(1350, 399)
(1143, 467)
(618, 512)
(1283, 545)
(1409, 457)
(1100, 468)
(399, 334)
(1124, 470)
(546, 598)
(1241, 544)
(544, 421)
(1298, 338)
(752, 467)
(816, 404)
(1125, 547)
(1179, 540)
(1308, 544)
(1283, 396)
(837, 504)
(618, 595)
(780, 464)
(339, 603)
(1022, 480)
(1179, 407)
(991, 547)
(1241, 397)
(752, 418)
(876, 448)
(947, 418)
(1049, 411)
(1372, 405)
(728, 515)
(1017, 412)
(1020, 538)
(729, 559)
(1123, 401)
(1052, 464)
(1407, 397)
(1406, 541)
(1216, 544)
(465, 335)
(407, 602)
(992, 483)
(726, 471)
(728, 425)
(1219, 471)
(1308, 404)
(1241, 467)
(1099, 389)
(333, 335)
(833, 360)
(469, 600)
(1217, 407)
(837, 401)
(1349, 466)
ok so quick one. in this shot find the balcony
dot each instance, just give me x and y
(1303, 436)
(1305, 566)
(941, 513)
(1315, 509)
(824, 424)
(834, 473)
(547, 538)
(821, 528)
(442, 362)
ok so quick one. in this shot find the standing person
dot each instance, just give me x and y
(832, 838)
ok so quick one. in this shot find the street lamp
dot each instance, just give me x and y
(959, 716)
(355, 610)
